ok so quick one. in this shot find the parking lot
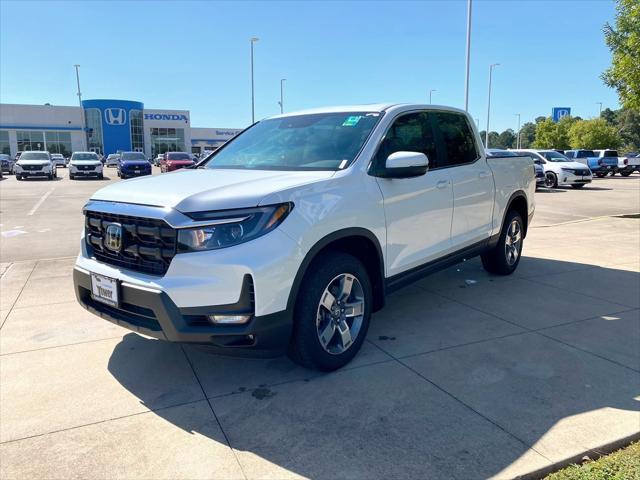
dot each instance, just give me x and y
(463, 375)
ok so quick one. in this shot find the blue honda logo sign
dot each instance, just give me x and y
(558, 112)
(115, 116)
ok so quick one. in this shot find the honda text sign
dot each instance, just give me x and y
(558, 112)
(165, 116)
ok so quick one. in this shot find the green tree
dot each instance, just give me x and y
(550, 134)
(610, 116)
(506, 139)
(628, 125)
(527, 134)
(623, 40)
(593, 134)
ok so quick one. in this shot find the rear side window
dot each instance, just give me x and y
(409, 133)
(610, 153)
(457, 138)
(178, 156)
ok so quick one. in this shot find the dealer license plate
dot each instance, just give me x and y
(104, 289)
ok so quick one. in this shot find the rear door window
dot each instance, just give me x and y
(457, 138)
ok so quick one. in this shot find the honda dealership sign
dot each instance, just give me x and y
(558, 112)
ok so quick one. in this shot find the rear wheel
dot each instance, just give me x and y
(332, 311)
(550, 180)
(503, 259)
(626, 174)
(577, 185)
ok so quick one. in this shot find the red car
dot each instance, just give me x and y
(174, 161)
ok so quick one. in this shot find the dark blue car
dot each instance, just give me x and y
(133, 164)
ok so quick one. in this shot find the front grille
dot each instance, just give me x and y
(32, 168)
(582, 172)
(86, 167)
(148, 245)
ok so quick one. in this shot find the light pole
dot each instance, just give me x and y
(486, 134)
(466, 81)
(253, 96)
(518, 137)
(430, 93)
(84, 127)
(281, 102)
(600, 112)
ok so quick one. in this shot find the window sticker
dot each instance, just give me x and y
(351, 121)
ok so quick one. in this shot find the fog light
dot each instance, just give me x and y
(227, 319)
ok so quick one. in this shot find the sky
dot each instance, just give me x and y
(195, 55)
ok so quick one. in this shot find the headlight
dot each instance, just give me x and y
(230, 227)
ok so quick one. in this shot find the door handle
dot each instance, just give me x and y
(442, 184)
(484, 174)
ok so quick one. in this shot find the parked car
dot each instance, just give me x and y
(58, 159)
(85, 164)
(112, 160)
(291, 235)
(622, 162)
(6, 163)
(35, 163)
(632, 162)
(559, 170)
(174, 161)
(600, 167)
(158, 159)
(133, 164)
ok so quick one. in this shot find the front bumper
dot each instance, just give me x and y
(569, 178)
(151, 312)
(34, 173)
(85, 173)
(135, 172)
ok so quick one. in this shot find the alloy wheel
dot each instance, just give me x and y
(340, 313)
(512, 242)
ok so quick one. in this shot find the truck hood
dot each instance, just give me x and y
(207, 189)
(571, 165)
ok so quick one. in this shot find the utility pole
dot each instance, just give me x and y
(600, 112)
(253, 96)
(518, 137)
(430, 92)
(84, 126)
(281, 102)
(486, 135)
(466, 81)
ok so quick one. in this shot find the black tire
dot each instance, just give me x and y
(577, 185)
(601, 175)
(71, 177)
(101, 177)
(496, 260)
(626, 174)
(305, 347)
(550, 180)
(19, 177)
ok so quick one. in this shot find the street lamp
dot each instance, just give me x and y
(486, 134)
(466, 80)
(281, 102)
(600, 112)
(84, 127)
(430, 92)
(253, 97)
(518, 137)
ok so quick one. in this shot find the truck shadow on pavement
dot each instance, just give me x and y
(496, 378)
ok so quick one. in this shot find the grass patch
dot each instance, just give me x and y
(621, 465)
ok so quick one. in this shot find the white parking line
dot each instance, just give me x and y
(40, 202)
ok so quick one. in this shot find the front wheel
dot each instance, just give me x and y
(577, 185)
(332, 312)
(626, 174)
(550, 180)
(503, 259)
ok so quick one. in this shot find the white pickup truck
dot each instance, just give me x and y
(290, 235)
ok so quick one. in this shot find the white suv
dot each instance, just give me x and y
(35, 164)
(291, 234)
(85, 164)
(560, 170)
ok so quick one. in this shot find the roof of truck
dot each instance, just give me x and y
(369, 107)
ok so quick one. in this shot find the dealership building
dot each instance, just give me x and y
(104, 126)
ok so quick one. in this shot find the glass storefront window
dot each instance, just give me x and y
(4, 142)
(58, 142)
(30, 140)
(167, 140)
(137, 131)
(93, 119)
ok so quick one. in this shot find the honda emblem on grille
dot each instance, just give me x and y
(113, 237)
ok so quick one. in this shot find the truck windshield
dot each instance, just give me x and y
(585, 154)
(323, 141)
(555, 157)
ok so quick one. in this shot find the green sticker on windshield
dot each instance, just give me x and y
(351, 121)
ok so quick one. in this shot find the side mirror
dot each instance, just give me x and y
(405, 165)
